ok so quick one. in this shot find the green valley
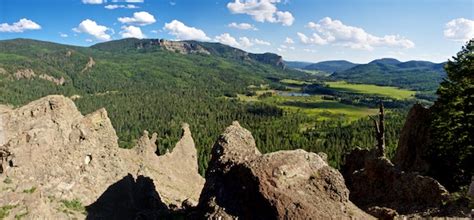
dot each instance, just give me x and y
(156, 85)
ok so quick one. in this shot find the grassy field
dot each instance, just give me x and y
(294, 82)
(387, 91)
(313, 106)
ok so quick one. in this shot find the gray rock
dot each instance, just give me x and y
(242, 183)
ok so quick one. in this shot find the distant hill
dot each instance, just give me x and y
(331, 66)
(297, 64)
(415, 75)
(328, 67)
(189, 47)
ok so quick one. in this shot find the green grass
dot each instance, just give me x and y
(73, 205)
(7, 180)
(294, 82)
(315, 72)
(313, 106)
(21, 215)
(30, 191)
(388, 91)
(5, 211)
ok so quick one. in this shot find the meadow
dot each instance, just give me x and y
(387, 91)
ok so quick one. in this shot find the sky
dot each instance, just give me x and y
(299, 30)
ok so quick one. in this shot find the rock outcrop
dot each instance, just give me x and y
(55, 162)
(183, 47)
(175, 173)
(375, 181)
(24, 74)
(56, 81)
(414, 142)
(30, 74)
(242, 183)
(89, 65)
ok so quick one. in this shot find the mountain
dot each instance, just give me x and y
(297, 64)
(144, 81)
(415, 75)
(188, 47)
(331, 66)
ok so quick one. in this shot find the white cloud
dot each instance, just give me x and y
(286, 18)
(129, 6)
(242, 26)
(19, 26)
(93, 1)
(261, 11)
(243, 42)
(89, 40)
(328, 31)
(262, 42)
(316, 39)
(141, 18)
(183, 32)
(460, 29)
(63, 35)
(92, 28)
(289, 41)
(225, 38)
(132, 31)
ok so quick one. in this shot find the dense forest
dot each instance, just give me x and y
(146, 87)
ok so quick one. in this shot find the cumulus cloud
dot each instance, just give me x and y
(262, 42)
(132, 31)
(286, 18)
(242, 42)
(225, 38)
(242, 26)
(93, 1)
(460, 29)
(63, 35)
(183, 32)
(141, 18)
(261, 11)
(92, 28)
(129, 6)
(289, 41)
(245, 42)
(329, 31)
(19, 26)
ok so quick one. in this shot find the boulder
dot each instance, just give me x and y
(414, 142)
(56, 163)
(242, 183)
(375, 181)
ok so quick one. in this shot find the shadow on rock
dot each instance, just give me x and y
(129, 198)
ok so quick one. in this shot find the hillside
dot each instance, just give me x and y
(415, 75)
(331, 66)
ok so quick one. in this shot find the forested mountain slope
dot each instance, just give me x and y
(156, 85)
(415, 75)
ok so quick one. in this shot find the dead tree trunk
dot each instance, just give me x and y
(380, 131)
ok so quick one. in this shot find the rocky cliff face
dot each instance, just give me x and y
(376, 182)
(241, 183)
(414, 143)
(55, 162)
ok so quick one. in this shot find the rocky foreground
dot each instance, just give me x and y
(58, 164)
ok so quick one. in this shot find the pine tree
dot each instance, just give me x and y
(452, 129)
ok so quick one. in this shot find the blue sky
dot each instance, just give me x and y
(304, 30)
